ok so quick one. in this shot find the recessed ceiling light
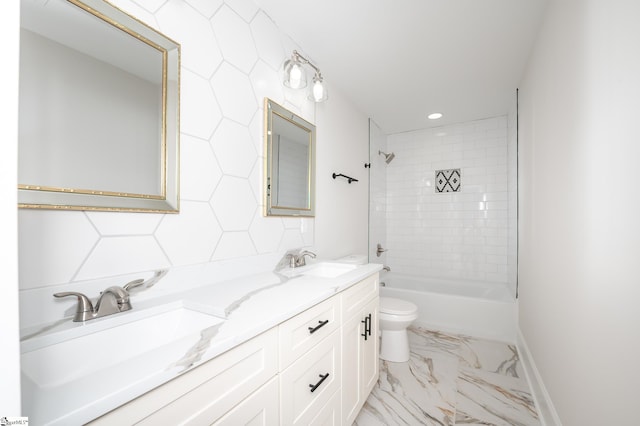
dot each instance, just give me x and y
(434, 116)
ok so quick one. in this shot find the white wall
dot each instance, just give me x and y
(10, 365)
(343, 147)
(454, 235)
(579, 227)
(232, 54)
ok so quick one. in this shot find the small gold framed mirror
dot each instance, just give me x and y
(290, 157)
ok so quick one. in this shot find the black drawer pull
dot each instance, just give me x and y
(318, 327)
(367, 326)
(322, 379)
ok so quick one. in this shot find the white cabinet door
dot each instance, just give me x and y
(370, 349)
(352, 348)
(360, 346)
(261, 408)
(329, 415)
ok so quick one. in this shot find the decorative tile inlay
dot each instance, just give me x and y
(448, 180)
(451, 380)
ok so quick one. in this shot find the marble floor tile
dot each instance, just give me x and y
(486, 398)
(451, 380)
(420, 391)
(488, 355)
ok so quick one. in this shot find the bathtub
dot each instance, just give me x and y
(485, 310)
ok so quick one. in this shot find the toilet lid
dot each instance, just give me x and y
(391, 305)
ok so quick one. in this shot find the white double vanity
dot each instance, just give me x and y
(295, 347)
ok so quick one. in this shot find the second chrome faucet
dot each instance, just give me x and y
(296, 260)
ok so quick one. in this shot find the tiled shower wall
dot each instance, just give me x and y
(453, 235)
(232, 53)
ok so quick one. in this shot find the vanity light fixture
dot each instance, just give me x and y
(296, 78)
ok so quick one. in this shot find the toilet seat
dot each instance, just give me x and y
(393, 306)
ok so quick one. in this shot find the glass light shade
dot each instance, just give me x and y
(294, 75)
(319, 92)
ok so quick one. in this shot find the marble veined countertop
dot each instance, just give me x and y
(63, 390)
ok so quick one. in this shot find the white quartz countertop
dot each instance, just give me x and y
(242, 308)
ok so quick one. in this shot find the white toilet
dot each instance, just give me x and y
(395, 316)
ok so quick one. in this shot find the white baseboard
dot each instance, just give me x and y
(546, 411)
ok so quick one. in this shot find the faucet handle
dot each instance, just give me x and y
(84, 306)
(300, 261)
(133, 284)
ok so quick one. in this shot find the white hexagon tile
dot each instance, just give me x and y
(234, 204)
(199, 111)
(206, 7)
(52, 246)
(266, 83)
(234, 93)
(266, 233)
(234, 148)
(123, 223)
(199, 171)
(255, 181)
(234, 38)
(191, 236)
(198, 45)
(234, 244)
(268, 41)
(256, 130)
(122, 255)
(246, 9)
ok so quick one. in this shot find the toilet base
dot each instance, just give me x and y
(394, 345)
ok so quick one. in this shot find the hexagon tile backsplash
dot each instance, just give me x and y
(231, 58)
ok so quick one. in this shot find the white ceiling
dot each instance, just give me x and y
(400, 60)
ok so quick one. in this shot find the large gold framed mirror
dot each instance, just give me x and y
(99, 110)
(290, 157)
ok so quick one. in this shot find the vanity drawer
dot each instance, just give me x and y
(305, 330)
(259, 409)
(202, 395)
(329, 415)
(308, 384)
(358, 295)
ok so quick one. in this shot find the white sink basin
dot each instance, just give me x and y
(329, 269)
(54, 360)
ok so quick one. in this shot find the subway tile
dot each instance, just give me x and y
(450, 230)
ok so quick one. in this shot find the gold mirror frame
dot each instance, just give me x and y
(276, 116)
(40, 195)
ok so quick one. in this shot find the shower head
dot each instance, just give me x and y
(387, 157)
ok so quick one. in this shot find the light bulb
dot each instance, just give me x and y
(318, 91)
(295, 76)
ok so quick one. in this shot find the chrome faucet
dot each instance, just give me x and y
(297, 260)
(113, 300)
